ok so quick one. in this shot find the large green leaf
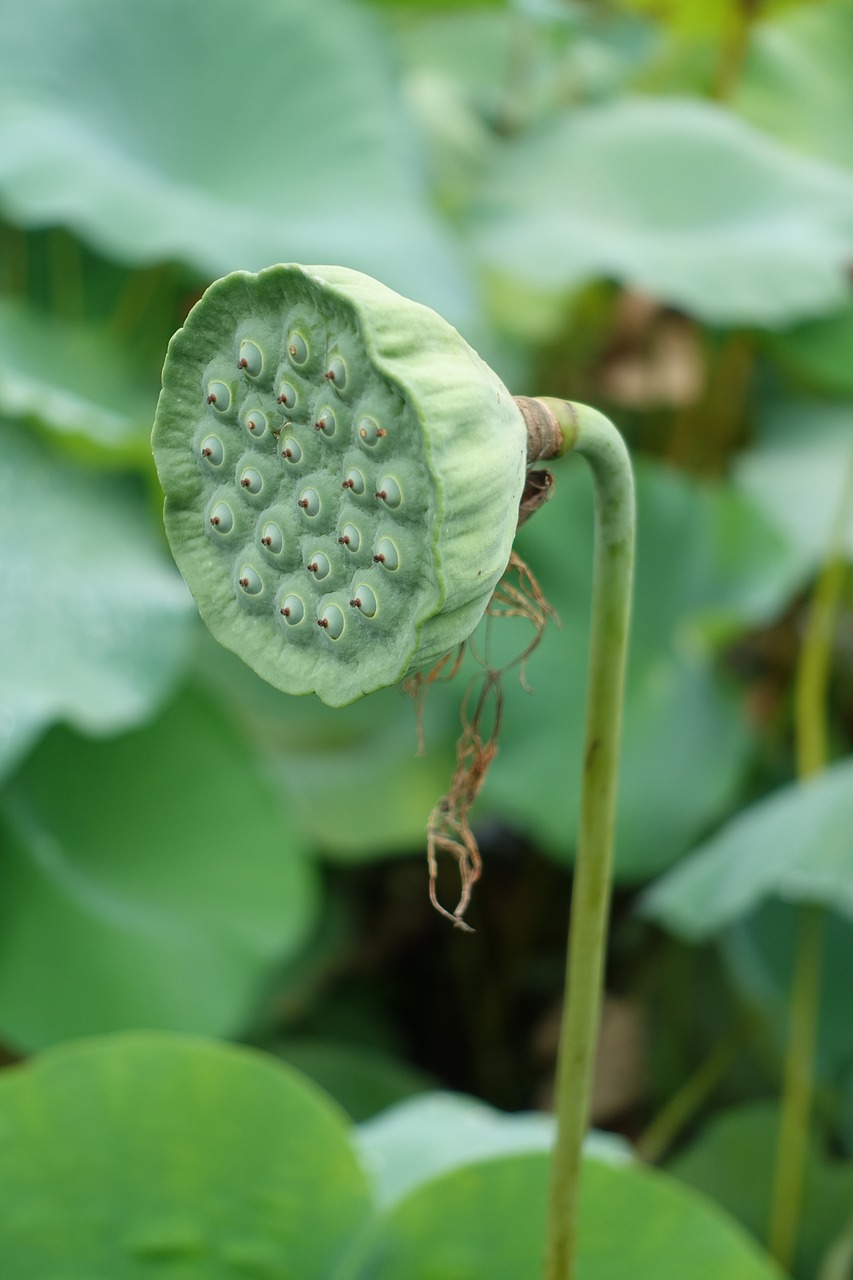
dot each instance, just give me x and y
(795, 473)
(364, 1080)
(143, 1154)
(414, 1141)
(152, 880)
(352, 775)
(707, 562)
(733, 1161)
(796, 79)
(675, 197)
(759, 953)
(484, 72)
(76, 379)
(94, 624)
(796, 844)
(817, 352)
(224, 137)
(487, 1219)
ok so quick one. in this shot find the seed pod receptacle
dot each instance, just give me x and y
(299, 402)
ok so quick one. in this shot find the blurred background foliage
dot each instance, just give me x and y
(646, 205)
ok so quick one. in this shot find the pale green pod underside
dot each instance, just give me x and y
(268, 464)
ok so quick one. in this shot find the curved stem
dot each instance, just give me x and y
(590, 434)
(812, 755)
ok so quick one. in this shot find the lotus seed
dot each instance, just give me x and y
(287, 395)
(337, 373)
(319, 565)
(297, 348)
(386, 554)
(252, 480)
(219, 395)
(365, 600)
(369, 431)
(292, 610)
(250, 580)
(222, 518)
(309, 501)
(251, 360)
(354, 480)
(292, 451)
(212, 450)
(389, 492)
(326, 423)
(256, 423)
(350, 537)
(332, 620)
(272, 538)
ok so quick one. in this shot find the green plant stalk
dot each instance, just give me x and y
(797, 1087)
(590, 434)
(812, 755)
(690, 1098)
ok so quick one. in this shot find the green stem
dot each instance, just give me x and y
(812, 755)
(66, 261)
(734, 47)
(797, 1087)
(140, 291)
(656, 1140)
(590, 434)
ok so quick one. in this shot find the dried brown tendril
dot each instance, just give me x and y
(517, 595)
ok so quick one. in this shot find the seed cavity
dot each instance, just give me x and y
(337, 373)
(292, 451)
(292, 610)
(386, 554)
(251, 480)
(297, 348)
(250, 580)
(212, 450)
(219, 395)
(364, 599)
(370, 432)
(287, 395)
(222, 518)
(309, 501)
(251, 358)
(326, 423)
(256, 423)
(331, 620)
(350, 537)
(272, 537)
(319, 565)
(354, 480)
(389, 492)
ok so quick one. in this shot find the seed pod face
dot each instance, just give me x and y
(322, 440)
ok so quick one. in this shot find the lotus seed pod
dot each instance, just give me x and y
(359, 495)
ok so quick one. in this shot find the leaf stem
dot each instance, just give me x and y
(67, 274)
(590, 434)
(682, 1107)
(810, 694)
(797, 1087)
(734, 48)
